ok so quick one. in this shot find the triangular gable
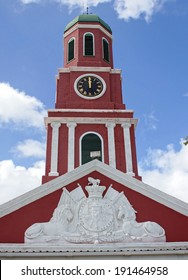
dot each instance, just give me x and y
(84, 170)
(38, 206)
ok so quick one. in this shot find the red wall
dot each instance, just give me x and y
(67, 97)
(14, 225)
(80, 60)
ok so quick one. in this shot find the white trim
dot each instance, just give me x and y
(116, 71)
(104, 39)
(87, 26)
(80, 145)
(71, 39)
(167, 250)
(89, 69)
(71, 145)
(127, 145)
(86, 97)
(84, 51)
(86, 169)
(90, 120)
(54, 148)
(111, 144)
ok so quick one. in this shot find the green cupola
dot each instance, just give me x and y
(86, 18)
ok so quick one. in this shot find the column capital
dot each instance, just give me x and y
(126, 125)
(55, 124)
(71, 124)
(110, 125)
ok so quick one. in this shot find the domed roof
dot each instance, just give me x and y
(88, 18)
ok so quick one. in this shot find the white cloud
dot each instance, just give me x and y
(135, 9)
(16, 180)
(19, 108)
(150, 121)
(30, 148)
(30, 1)
(126, 9)
(83, 3)
(167, 170)
(186, 94)
(70, 3)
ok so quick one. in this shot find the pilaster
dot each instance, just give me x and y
(71, 145)
(128, 150)
(111, 144)
(54, 148)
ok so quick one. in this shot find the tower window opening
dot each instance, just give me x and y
(106, 55)
(89, 44)
(91, 148)
(71, 49)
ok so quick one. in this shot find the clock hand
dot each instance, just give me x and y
(89, 82)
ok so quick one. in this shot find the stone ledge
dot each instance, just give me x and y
(77, 250)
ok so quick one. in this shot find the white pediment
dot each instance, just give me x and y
(84, 170)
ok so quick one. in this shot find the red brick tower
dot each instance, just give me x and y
(89, 120)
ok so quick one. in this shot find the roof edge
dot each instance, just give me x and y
(81, 171)
(88, 18)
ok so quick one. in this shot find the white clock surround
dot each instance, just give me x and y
(92, 97)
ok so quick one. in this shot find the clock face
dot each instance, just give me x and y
(90, 86)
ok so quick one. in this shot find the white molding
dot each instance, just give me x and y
(71, 39)
(89, 69)
(80, 145)
(86, 97)
(84, 43)
(116, 71)
(71, 145)
(84, 170)
(87, 26)
(90, 120)
(111, 144)
(104, 39)
(54, 148)
(167, 250)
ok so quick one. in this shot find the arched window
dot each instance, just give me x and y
(91, 147)
(88, 44)
(105, 46)
(71, 49)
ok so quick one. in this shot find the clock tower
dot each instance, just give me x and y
(92, 202)
(90, 120)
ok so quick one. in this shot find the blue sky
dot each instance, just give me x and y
(150, 43)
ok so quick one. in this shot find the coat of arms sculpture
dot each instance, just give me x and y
(94, 219)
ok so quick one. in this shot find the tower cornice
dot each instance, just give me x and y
(91, 120)
(89, 69)
(87, 26)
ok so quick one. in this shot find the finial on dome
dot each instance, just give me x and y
(86, 8)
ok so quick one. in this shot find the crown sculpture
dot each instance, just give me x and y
(94, 189)
(94, 219)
